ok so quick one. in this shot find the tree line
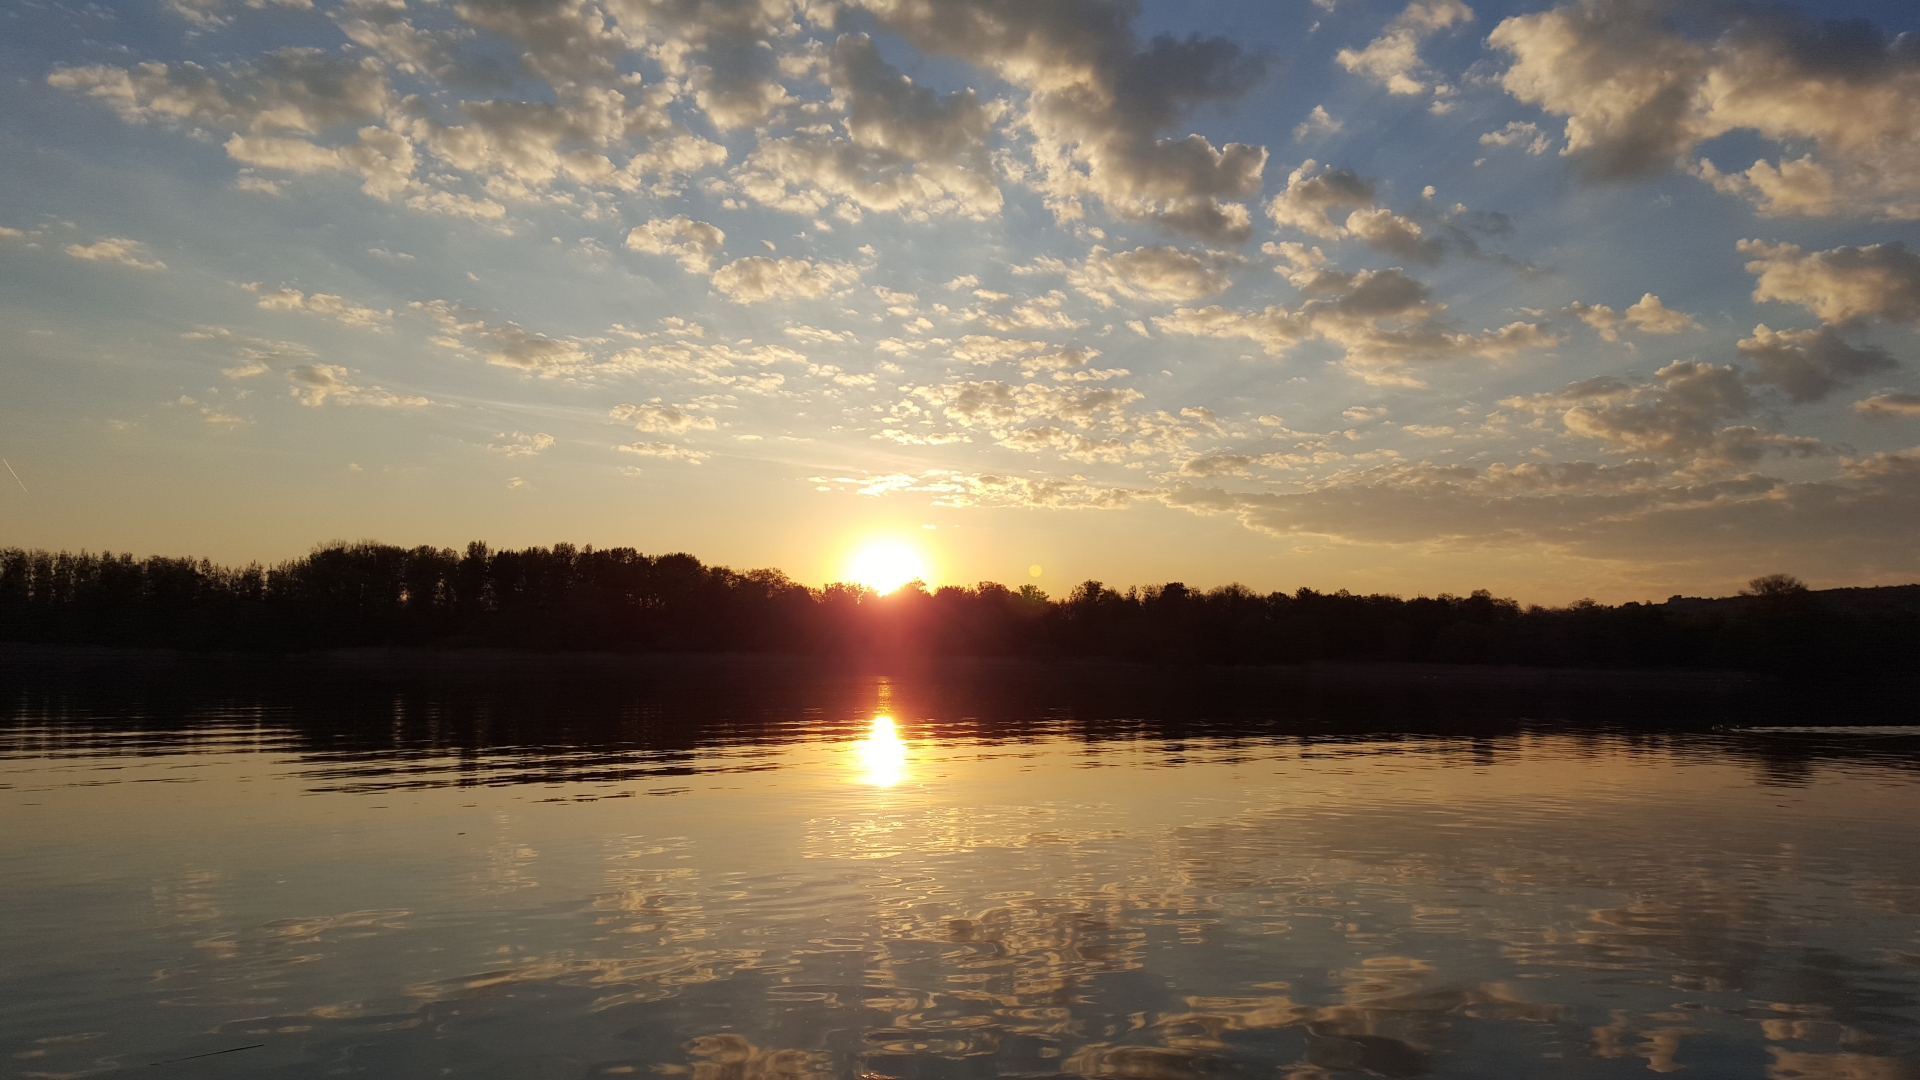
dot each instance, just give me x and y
(344, 595)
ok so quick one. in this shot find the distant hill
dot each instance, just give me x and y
(1874, 601)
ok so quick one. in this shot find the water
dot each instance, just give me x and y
(742, 873)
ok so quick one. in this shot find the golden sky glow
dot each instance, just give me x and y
(1402, 301)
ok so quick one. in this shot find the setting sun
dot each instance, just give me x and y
(885, 565)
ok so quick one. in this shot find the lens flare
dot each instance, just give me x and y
(883, 757)
(885, 565)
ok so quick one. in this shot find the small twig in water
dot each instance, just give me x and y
(208, 1054)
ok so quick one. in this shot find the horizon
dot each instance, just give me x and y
(1399, 298)
(929, 585)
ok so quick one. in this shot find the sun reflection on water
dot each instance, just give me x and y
(882, 756)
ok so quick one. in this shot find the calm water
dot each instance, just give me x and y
(746, 874)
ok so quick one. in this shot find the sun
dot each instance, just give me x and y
(885, 565)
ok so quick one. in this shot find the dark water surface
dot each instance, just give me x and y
(735, 871)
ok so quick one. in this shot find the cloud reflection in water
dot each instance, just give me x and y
(1139, 905)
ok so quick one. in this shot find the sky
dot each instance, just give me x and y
(1610, 300)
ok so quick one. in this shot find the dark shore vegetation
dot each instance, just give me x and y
(347, 595)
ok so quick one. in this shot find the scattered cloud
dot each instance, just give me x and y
(323, 384)
(1648, 315)
(756, 278)
(519, 444)
(1841, 285)
(1641, 95)
(694, 243)
(1892, 404)
(1164, 274)
(1809, 364)
(1520, 133)
(325, 305)
(1393, 58)
(1317, 124)
(125, 252)
(662, 418)
(664, 450)
(1684, 415)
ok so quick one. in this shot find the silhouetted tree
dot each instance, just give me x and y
(369, 594)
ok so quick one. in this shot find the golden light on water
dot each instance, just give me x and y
(885, 565)
(882, 756)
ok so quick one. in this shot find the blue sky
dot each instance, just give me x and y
(1611, 300)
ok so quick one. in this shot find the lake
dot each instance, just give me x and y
(730, 870)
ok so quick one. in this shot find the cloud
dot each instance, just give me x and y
(676, 350)
(995, 404)
(507, 344)
(1384, 321)
(1841, 285)
(664, 450)
(521, 445)
(384, 159)
(1647, 314)
(807, 176)
(257, 355)
(318, 384)
(325, 305)
(1318, 123)
(1653, 317)
(1151, 273)
(1517, 132)
(1892, 404)
(384, 29)
(910, 151)
(1099, 101)
(1032, 356)
(522, 147)
(116, 249)
(561, 40)
(695, 243)
(1682, 416)
(454, 204)
(1640, 96)
(1899, 469)
(951, 488)
(209, 14)
(662, 418)
(510, 346)
(1383, 230)
(1608, 515)
(726, 51)
(1393, 58)
(282, 108)
(667, 158)
(1314, 191)
(757, 278)
(1627, 514)
(1025, 313)
(1808, 364)
(302, 90)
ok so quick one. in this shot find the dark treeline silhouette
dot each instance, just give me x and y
(617, 599)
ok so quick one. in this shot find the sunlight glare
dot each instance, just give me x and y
(885, 565)
(882, 755)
